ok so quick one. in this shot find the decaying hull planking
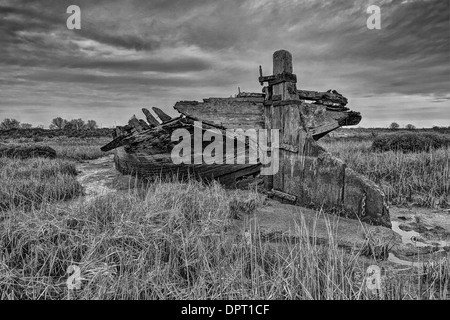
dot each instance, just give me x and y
(147, 152)
(308, 175)
(246, 111)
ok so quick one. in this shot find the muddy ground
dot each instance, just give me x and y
(417, 234)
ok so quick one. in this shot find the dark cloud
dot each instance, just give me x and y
(158, 65)
(168, 50)
(62, 76)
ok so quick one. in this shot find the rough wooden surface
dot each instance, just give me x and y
(329, 98)
(135, 123)
(161, 115)
(249, 113)
(150, 118)
(234, 113)
(282, 65)
(147, 153)
(282, 62)
(314, 176)
(283, 222)
(144, 124)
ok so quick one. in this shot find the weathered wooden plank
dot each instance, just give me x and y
(134, 122)
(293, 134)
(164, 117)
(234, 113)
(284, 195)
(268, 115)
(150, 118)
(323, 129)
(152, 136)
(279, 78)
(144, 124)
(331, 97)
(362, 198)
(250, 95)
(116, 143)
(147, 166)
(277, 123)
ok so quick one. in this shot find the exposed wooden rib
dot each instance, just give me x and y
(151, 135)
(144, 124)
(134, 122)
(116, 143)
(164, 117)
(323, 129)
(150, 118)
(353, 118)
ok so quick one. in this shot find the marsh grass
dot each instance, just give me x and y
(410, 141)
(178, 241)
(422, 178)
(69, 148)
(172, 240)
(29, 183)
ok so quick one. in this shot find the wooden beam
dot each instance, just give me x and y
(164, 117)
(150, 118)
(323, 129)
(330, 97)
(134, 122)
(283, 195)
(144, 124)
(117, 142)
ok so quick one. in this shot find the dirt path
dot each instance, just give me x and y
(97, 176)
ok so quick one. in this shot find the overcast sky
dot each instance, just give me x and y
(134, 54)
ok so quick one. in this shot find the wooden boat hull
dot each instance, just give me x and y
(140, 154)
(149, 167)
(304, 173)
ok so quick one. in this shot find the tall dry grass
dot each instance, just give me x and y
(69, 148)
(422, 178)
(179, 241)
(182, 240)
(29, 183)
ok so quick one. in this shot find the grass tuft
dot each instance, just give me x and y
(411, 141)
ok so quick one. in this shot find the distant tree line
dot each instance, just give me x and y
(74, 124)
(56, 124)
(14, 124)
(395, 126)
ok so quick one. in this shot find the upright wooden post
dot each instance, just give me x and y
(282, 112)
(307, 173)
(284, 86)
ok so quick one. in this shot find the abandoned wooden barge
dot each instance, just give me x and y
(307, 174)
